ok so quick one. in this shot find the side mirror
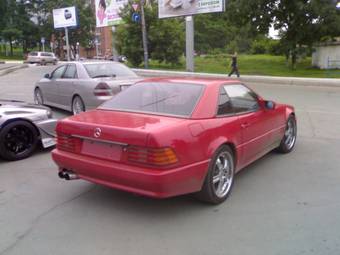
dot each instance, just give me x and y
(47, 76)
(270, 105)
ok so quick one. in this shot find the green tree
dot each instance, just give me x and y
(165, 36)
(10, 34)
(83, 34)
(301, 22)
(304, 22)
(231, 30)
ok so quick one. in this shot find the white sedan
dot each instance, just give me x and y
(80, 86)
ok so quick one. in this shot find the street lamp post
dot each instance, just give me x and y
(145, 43)
(77, 52)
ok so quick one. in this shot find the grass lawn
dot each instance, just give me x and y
(252, 65)
(8, 58)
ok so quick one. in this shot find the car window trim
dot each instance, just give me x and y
(236, 113)
(218, 100)
(75, 73)
(56, 70)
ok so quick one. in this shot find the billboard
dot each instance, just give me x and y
(65, 17)
(174, 8)
(107, 12)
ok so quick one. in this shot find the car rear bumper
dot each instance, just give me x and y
(144, 181)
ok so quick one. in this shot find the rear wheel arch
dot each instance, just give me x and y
(233, 149)
(25, 120)
(216, 145)
(76, 95)
(19, 139)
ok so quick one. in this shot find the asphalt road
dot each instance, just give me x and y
(282, 204)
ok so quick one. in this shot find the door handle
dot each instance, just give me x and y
(245, 125)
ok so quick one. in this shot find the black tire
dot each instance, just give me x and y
(289, 139)
(18, 140)
(38, 97)
(209, 193)
(78, 105)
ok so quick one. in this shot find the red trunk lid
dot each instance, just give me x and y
(116, 127)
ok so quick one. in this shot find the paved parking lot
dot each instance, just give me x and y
(282, 204)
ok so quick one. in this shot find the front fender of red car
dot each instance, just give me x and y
(290, 110)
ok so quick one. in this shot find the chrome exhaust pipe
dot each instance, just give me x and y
(61, 175)
(71, 176)
(68, 175)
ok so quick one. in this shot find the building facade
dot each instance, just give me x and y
(327, 55)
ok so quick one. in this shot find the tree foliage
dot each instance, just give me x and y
(304, 22)
(301, 22)
(28, 21)
(165, 36)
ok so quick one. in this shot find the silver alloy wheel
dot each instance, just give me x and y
(290, 134)
(38, 98)
(223, 174)
(77, 105)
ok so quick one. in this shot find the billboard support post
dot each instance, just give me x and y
(189, 34)
(67, 44)
(114, 51)
(145, 43)
(97, 48)
(64, 18)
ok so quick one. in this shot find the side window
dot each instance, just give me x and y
(71, 72)
(57, 73)
(242, 98)
(224, 103)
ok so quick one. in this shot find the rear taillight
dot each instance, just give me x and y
(102, 89)
(151, 156)
(67, 143)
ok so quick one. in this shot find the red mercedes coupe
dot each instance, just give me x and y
(165, 137)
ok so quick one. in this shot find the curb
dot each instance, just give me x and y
(293, 81)
(12, 69)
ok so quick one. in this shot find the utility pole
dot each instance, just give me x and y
(189, 34)
(114, 51)
(67, 44)
(145, 43)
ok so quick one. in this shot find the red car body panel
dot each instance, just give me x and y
(194, 141)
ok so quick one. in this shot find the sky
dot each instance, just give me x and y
(273, 33)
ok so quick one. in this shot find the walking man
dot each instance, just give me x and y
(234, 67)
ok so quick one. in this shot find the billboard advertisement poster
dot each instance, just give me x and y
(108, 12)
(65, 17)
(174, 8)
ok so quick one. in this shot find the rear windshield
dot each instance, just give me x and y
(33, 54)
(97, 70)
(44, 54)
(158, 98)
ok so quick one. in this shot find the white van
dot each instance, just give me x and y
(41, 57)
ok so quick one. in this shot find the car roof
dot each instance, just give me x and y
(94, 62)
(194, 80)
(41, 52)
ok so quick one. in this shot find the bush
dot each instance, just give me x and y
(259, 47)
(275, 48)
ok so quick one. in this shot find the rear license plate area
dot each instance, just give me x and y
(102, 150)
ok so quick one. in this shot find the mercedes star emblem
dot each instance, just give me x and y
(97, 132)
